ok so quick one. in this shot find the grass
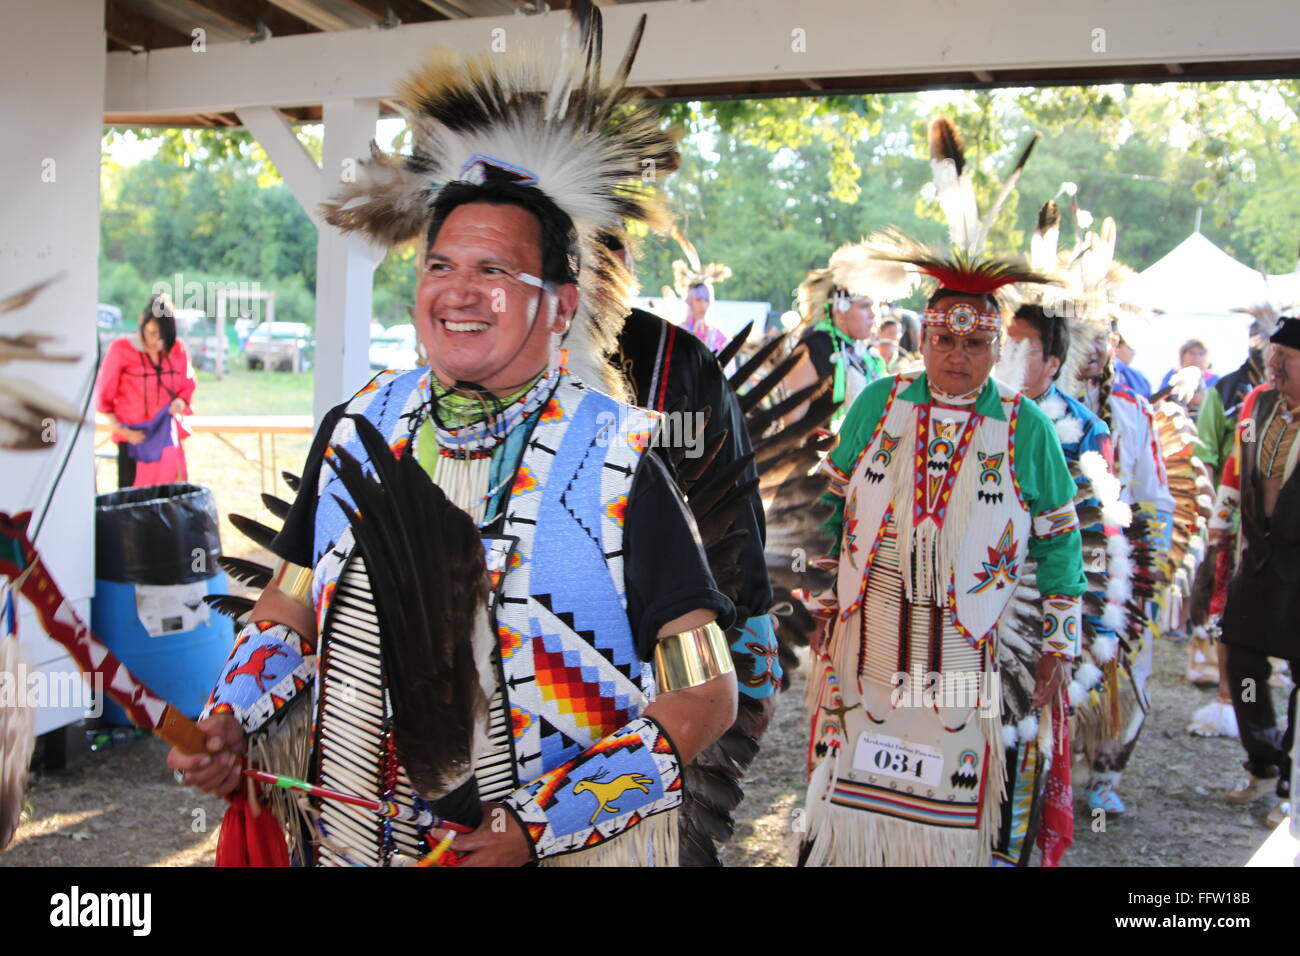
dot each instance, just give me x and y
(241, 392)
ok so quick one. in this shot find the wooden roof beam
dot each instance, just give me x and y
(320, 18)
(250, 16)
(403, 11)
(127, 26)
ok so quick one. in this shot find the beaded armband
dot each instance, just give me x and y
(757, 643)
(609, 788)
(1061, 626)
(269, 664)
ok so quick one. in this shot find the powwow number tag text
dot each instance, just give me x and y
(893, 757)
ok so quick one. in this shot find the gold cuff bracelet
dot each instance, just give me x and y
(692, 658)
(294, 581)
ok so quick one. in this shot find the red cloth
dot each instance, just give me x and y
(1057, 830)
(133, 389)
(249, 839)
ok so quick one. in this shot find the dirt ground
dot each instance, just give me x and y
(1173, 789)
(121, 807)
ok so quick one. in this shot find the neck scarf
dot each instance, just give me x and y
(845, 345)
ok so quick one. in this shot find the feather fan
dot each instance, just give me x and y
(425, 564)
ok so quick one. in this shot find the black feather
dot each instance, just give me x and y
(254, 530)
(229, 605)
(1049, 216)
(425, 563)
(770, 381)
(735, 345)
(277, 506)
(755, 362)
(249, 573)
(292, 480)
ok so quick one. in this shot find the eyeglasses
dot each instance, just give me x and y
(944, 343)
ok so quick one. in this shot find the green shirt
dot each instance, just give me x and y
(1041, 470)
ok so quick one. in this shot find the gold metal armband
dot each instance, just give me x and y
(692, 658)
(294, 581)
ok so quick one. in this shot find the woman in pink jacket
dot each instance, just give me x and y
(144, 387)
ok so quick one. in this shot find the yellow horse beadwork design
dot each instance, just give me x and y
(606, 793)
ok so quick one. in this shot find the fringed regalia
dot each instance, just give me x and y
(937, 509)
(940, 500)
(586, 546)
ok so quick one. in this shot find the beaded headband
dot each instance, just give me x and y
(963, 319)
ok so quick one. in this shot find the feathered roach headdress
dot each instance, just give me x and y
(562, 135)
(690, 273)
(853, 271)
(1088, 303)
(965, 269)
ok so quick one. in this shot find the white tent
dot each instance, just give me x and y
(1284, 290)
(1194, 290)
(1196, 276)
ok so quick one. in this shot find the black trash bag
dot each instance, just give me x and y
(163, 534)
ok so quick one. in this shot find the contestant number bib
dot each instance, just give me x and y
(893, 757)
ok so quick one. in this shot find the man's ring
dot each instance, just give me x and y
(179, 775)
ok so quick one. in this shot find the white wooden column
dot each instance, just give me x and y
(51, 107)
(344, 265)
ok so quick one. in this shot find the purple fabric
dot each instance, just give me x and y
(159, 433)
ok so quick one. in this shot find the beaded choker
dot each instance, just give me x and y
(468, 430)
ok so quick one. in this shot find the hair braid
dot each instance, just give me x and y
(1105, 385)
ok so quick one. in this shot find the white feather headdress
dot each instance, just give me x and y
(560, 134)
(689, 273)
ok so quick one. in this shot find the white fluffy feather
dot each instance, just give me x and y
(1027, 729)
(1053, 407)
(1114, 616)
(1104, 649)
(1088, 675)
(1215, 719)
(853, 267)
(1008, 736)
(1069, 429)
(1077, 695)
(1011, 366)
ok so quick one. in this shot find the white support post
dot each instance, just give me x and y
(295, 165)
(344, 265)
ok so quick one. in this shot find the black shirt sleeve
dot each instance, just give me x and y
(294, 542)
(820, 348)
(755, 593)
(664, 567)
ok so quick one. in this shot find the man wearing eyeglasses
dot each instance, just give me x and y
(942, 483)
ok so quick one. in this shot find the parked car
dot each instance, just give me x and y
(395, 348)
(199, 333)
(283, 346)
(108, 321)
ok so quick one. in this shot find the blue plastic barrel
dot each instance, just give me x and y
(156, 556)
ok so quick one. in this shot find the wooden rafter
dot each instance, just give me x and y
(406, 11)
(135, 31)
(245, 15)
